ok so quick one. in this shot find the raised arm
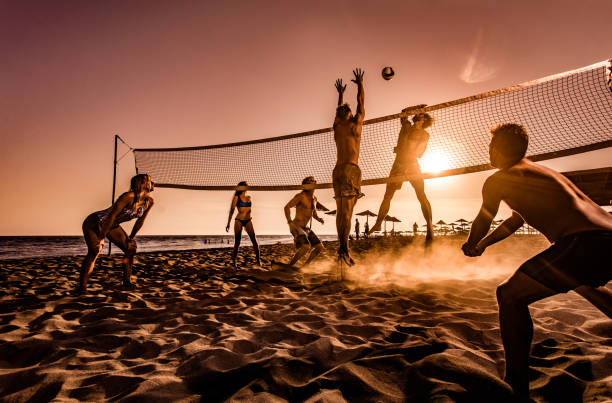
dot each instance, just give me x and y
(360, 113)
(138, 224)
(340, 89)
(482, 222)
(231, 212)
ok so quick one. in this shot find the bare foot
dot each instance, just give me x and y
(346, 258)
(376, 227)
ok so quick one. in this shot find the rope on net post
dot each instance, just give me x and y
(564, 114)
(115, 161)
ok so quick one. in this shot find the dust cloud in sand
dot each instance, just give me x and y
(404, 266)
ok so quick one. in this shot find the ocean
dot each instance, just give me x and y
(16, 247)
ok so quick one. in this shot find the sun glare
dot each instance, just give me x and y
(434, 162)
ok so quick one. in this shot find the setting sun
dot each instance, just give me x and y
(434, 162)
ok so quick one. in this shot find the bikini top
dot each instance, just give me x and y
(126, 214)
(243, 203)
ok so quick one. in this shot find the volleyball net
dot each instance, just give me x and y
(564, 114)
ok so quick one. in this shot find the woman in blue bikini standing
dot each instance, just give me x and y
(242, 220)
(134, 204)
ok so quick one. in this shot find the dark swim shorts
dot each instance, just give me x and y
(303, 236)
(403, 168)
(584, 258)
(347, 181)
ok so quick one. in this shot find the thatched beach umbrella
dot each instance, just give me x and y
(442, 225)
(368, 214)
(462, 222)
(393, 220)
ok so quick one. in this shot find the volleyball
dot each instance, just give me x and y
(387, 73)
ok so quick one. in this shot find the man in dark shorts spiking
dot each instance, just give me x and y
(305, 239)
(411, 145)
(347, 175)
(580, 231)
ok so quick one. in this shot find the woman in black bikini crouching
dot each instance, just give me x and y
(105, 224)
(242, 220)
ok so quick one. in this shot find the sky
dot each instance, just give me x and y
(188, 73)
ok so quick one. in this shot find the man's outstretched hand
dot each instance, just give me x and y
(358, 76)
(339, 86)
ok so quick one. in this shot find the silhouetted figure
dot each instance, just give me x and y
(136, 203)
(580, 232)
(242, 220)
(411, 145)
(415, 229)
(366, 229)
(346, 174)
(304, 237)
(356, 229)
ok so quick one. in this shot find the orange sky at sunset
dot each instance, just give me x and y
(189, 73)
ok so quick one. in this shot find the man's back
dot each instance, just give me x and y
(347, 134)
(547, 200)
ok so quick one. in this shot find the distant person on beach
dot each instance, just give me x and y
(305, 239)
(411, 145)
(580, 232)
(366, 228)
(415, 229)
(347, 174)
(136, 203)
(243, 220)
(356, 229)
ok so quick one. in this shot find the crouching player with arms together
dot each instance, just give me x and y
(580, 231)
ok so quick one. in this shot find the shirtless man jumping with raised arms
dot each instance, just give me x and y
(305, 204)
(411, 144)
(580, 231)
(347, 175)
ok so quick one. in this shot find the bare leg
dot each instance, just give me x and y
(299, 254)
(237, 238)
(118, 236)
(314, 253)
(94, 247)
(343, 225)
(251, 232)
(514, 296)
(384, 207)
(419, 189)
(601, 297)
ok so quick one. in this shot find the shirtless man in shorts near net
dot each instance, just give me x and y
(411, 145)
(580, 231)
(305, 239)
(347, 175)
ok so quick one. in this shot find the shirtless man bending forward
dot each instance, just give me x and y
(347, 175)
(580, 231)
(305, 239)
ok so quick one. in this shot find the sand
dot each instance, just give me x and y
(409, 324)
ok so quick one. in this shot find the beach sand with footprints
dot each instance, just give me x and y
(408, 324)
